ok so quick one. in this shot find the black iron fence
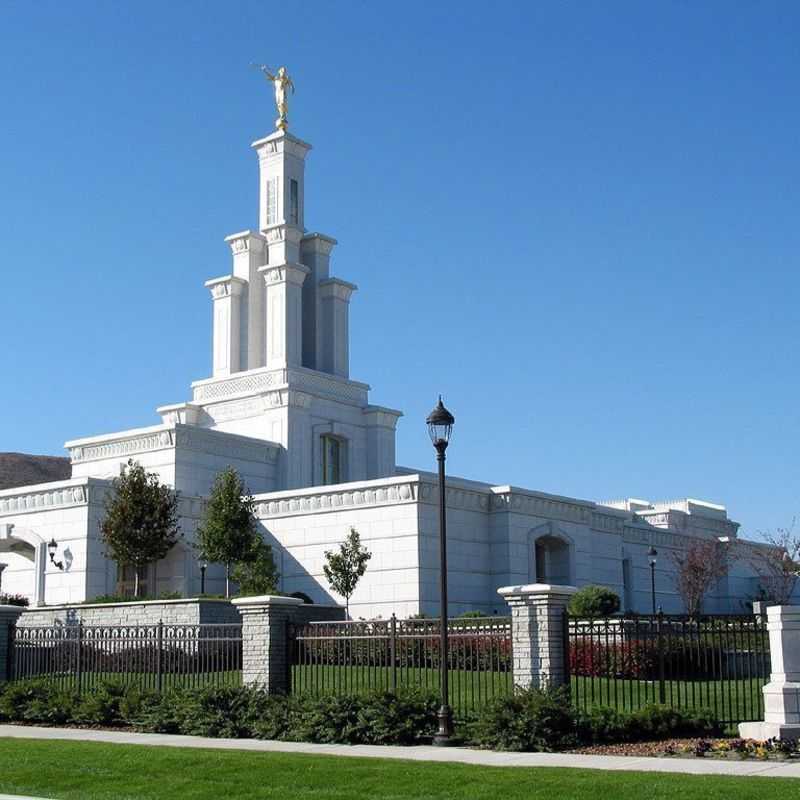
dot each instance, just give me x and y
(353, 657)
(150, 656)
(717, 663)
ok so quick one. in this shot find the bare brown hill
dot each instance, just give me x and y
(21, 469)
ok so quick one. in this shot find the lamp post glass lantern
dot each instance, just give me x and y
(203, 567)
(440, 426)
(652, 557)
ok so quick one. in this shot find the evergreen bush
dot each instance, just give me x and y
(593, 601)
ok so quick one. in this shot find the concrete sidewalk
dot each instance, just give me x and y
(460, 755)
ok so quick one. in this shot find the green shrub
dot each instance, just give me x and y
(14, 600)
(107, 705)
(605, 725)
(660, 722)
(407, 717)
(531, 720)
(37, 701)
(228, 712)
(124, 598)
(594, 601)
(601, 725)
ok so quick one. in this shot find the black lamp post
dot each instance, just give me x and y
(203, 567)
(52, 546)
(652, 557)
(440, 426)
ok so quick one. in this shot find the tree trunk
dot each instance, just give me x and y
(347, 607)
(136, 581)
(227, 580)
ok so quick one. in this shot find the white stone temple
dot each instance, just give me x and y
(280, 406)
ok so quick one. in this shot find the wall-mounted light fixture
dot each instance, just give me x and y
(52, 546)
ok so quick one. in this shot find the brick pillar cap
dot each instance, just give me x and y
(12, 610)
(265, 600)
(537, 590)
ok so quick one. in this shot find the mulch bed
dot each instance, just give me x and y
(659, 748)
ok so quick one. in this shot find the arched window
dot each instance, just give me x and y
(551, 556)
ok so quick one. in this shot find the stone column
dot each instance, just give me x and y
(537, 633)
(8, 618)
(782, 693)
(284, 314)
(334, 354)
(249, 252)
(226, 293)
(265, 657)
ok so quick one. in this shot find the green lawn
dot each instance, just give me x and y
(92, 771)
(730, 700)
(468, 690)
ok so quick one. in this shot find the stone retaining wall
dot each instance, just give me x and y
(170, 612)
(147, 612)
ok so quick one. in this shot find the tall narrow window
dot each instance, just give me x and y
(272, 201)
(331, 460)
(294, 203)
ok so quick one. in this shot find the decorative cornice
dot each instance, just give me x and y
(337, 288)
(244, 241)
(122, 446)
(346, 496)
(455, 497)
(227, 445)
(607, 522)
(510, 500)
(382, 417)
(317, 384)
(183, 413)
(189, 437)
(59, 495)
(278, 143)
(246, 383)
(319, 242)
(281, 232)
(288, 273)
(225, 286)
(655, 536)
(321, 384)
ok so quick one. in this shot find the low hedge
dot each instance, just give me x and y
(530, 720)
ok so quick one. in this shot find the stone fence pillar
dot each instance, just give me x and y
(265, 656)
(538, 633)
(8, 619)
(782, 693)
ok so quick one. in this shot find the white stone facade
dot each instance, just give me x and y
(280, 406)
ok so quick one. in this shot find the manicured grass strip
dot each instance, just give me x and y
(93, 771)
(730, 700)
(469, 690)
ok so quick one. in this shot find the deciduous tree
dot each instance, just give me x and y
(258, 573)
(345, 569)
(777, 564)
(228, 533)
(140, 525)
(701, 565)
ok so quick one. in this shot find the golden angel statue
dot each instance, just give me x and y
(282, 83)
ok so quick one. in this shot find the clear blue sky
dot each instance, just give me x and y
(578, 221)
